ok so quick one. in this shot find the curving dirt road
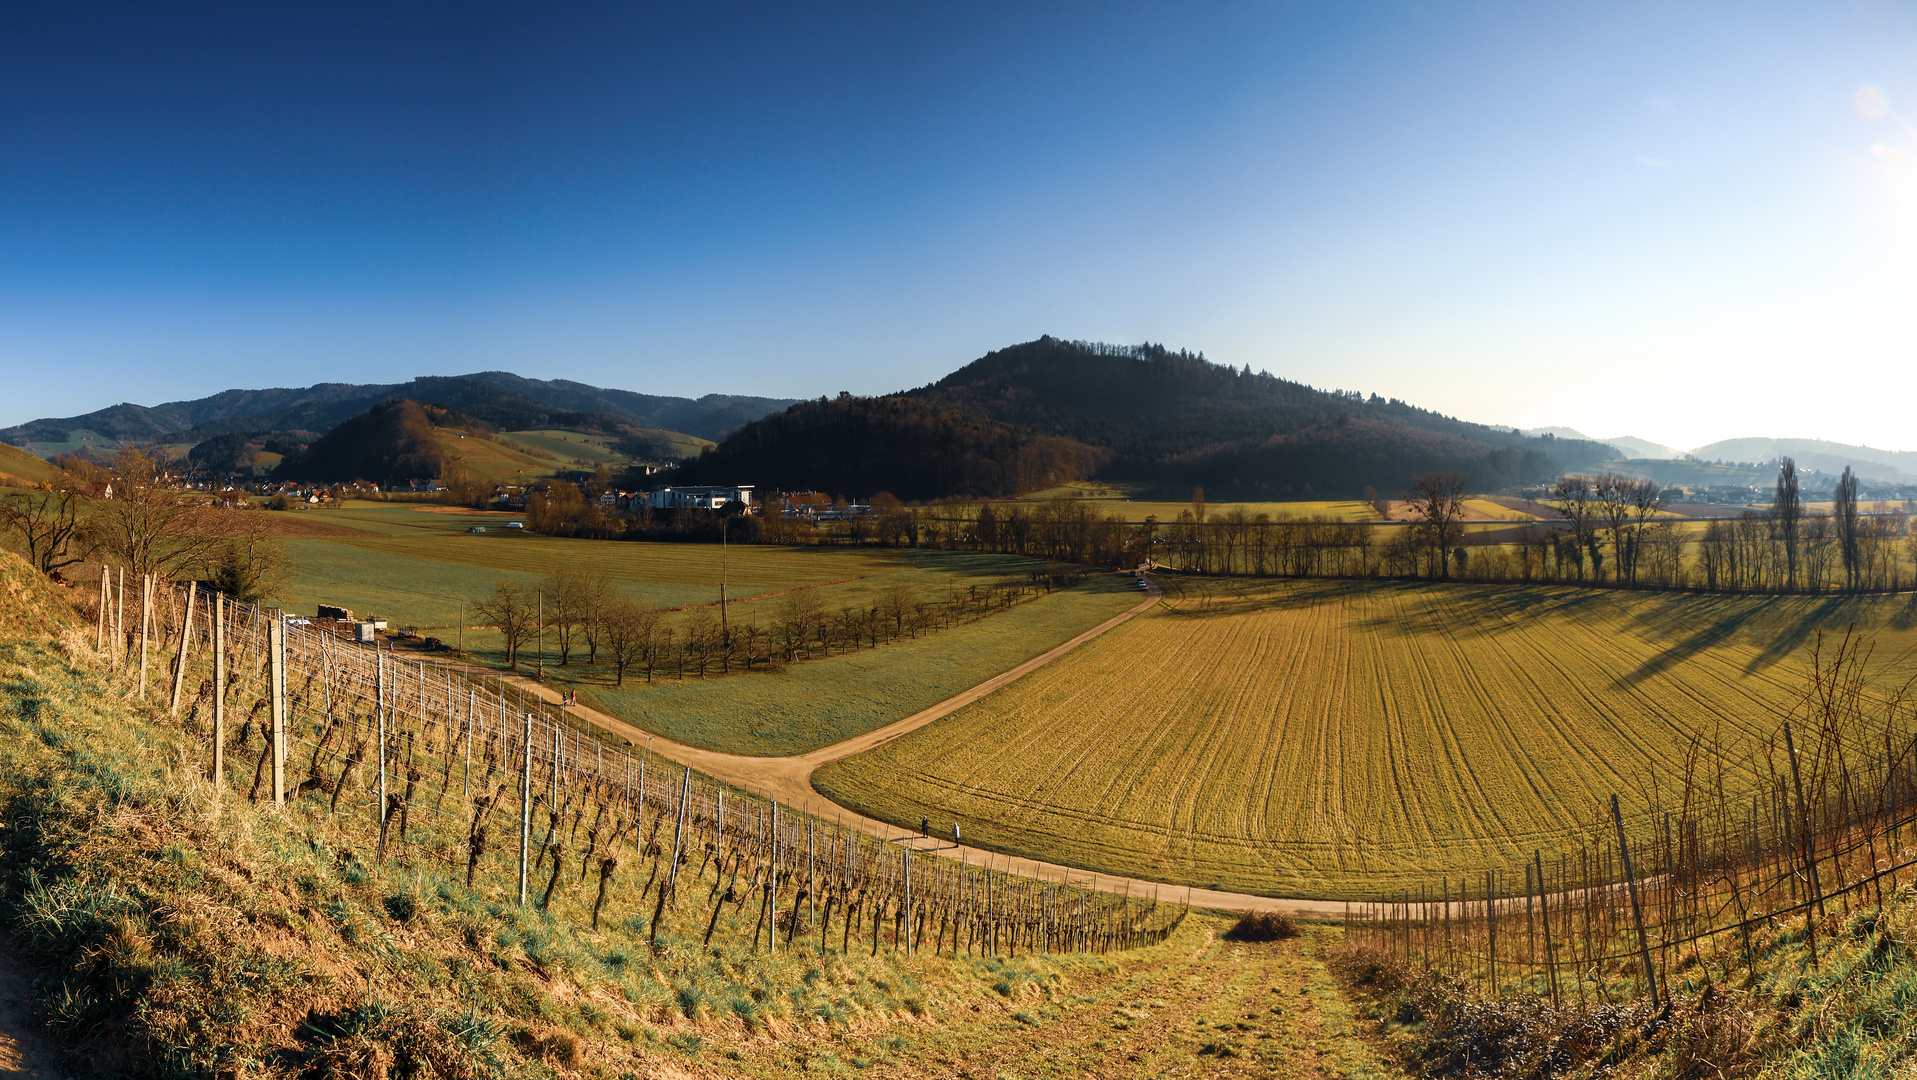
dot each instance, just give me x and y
(789, 780)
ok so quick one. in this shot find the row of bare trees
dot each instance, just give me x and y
(583, 616)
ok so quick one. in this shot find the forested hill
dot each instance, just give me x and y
(915, 449)
(1152, 407)
(499, 398)
(1034, 415)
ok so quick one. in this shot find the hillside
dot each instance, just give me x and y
(1050, 411)
(18, 467)
(389, 444)
(914, 449)
(499, 398)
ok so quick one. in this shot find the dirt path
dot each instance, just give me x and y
(789, 780)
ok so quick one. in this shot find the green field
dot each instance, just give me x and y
(808, 705)
(1328, 740)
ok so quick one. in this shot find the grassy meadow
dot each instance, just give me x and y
(1330, 740)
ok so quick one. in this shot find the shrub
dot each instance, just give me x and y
(1263, 926)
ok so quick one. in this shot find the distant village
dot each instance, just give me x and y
(811, 506)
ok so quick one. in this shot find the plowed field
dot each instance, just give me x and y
(1322, 741)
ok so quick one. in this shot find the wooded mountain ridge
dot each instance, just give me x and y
(1023, 417)
(499, 398)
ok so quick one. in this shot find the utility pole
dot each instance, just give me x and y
(725, 533)
(461, 646)
(540, 620)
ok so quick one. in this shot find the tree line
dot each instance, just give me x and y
(585, 617)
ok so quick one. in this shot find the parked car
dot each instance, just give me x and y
(477, 528)
(515, 525)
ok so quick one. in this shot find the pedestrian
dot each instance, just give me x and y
(955, 834)
(925, 827)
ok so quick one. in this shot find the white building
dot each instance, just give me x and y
(699, 498)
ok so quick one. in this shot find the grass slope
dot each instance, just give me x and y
(19, 468)
(1326, 740)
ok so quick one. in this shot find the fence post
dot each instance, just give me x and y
(1637, 909)
(379, 712)
(1544, 916)
(525, 805)
(146, 618)
(276, 680)
(219, 696)
(186, 637)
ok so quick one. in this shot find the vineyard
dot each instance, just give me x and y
(344, 728)
(1323, 741)
(177, 918)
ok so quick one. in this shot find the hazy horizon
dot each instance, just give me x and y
(1685, 225)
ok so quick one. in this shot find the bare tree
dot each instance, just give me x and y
(630, 631)
(1787, 510)
(509, 611)
(565, 607)
(598, 596)
(1575, 498)
(1844, 511)
(49, 520)
(145, 522)
(1437, 500)
(1645, 498)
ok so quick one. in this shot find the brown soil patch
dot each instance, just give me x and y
(278, 524)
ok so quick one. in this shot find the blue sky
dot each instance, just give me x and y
(1683, 222)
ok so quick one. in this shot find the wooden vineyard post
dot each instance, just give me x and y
(276, 684)
(119, 623)
(907, 912)
(771, 887)
(179, 661)
(1544, 916)
(146, 619)
(219, 697)
(100, 617)
(525, 800)
(1637, 908)
(379, 713)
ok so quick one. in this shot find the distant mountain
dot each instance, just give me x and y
(1818, 455)
(499, 398)
(1135, 413)
(387, 444)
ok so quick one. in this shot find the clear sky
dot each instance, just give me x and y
(1683, 222)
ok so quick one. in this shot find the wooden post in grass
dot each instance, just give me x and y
(100, 616)
(771, 886)
(1544, 916)
(120, 656)
(219, 696)
(525, 799)
(276, 681)
(186, 637)
(146, 619)
(379, 714)
(1637, 909)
